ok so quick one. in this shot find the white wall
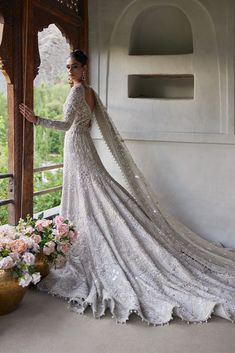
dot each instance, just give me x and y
(189, 142)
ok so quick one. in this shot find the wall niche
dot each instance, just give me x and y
(161, 30)
(176, 76)
(161, 86)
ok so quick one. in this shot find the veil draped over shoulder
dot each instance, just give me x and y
(214, 257)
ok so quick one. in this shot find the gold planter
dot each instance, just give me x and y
(41, 265)
(11, 293)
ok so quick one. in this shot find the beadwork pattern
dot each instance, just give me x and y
(129, 257)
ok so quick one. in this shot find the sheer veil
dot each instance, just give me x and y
(210, 255)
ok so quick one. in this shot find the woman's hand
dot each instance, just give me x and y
(28, 113)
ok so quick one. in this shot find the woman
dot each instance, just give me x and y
(129, 257)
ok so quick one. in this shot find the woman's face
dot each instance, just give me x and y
(75, 70)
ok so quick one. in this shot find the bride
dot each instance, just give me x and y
(130, 255)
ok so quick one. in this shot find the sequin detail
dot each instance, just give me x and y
(123, 260)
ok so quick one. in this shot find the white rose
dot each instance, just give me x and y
(36, 277)
(36, 247)
(15, 256)
(6, 263)
(49, 248)
(6, 240)
(7, 230)
(29, 230)
(24, 281)
(28, 258)
(46, 223)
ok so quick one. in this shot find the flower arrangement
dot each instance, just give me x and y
(20, 245)
(53, 237)
(17, 254)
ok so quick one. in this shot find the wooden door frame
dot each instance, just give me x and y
(21, 17)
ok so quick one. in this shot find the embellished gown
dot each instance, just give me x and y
(123, 260)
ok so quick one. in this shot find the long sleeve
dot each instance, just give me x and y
(70, 113)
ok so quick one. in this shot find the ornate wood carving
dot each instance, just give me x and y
(6, 18)
(71, 30)
(70, 17)
(69, 4)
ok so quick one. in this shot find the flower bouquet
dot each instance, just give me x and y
(54, 239)
(17, 254)
(17, 257)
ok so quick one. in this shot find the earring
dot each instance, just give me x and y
(70, 81)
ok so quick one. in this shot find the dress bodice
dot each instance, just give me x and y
(83, 114)
(77, 113)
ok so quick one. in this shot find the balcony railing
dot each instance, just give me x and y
(48, 213)
(6, 201)
(4, 176)
(42, 169)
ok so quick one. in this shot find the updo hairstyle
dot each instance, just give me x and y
(79, 56)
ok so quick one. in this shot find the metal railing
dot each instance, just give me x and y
(52, 212)
(48, 167)
(42, 169)
(36, 193)
(7, 175)
(6, 201)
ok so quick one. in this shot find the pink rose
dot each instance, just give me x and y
(27, 240)
(62, 228)
(57, 236)
(19, 246)
(36, 238)
(38, 225)
(73, 235)
(64, 248)
(58, 220)
(42, 223)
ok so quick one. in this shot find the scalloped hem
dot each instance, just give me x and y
(79, 306)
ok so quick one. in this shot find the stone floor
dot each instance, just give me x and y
(43, 324)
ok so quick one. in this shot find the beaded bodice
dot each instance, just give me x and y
(77, 113)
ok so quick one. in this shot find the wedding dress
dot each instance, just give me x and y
(130, 255)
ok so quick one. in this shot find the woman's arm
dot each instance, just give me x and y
(65, 124)
(70, 113)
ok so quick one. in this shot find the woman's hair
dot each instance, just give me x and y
(79, 56)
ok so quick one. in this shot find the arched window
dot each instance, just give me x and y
(162, 30)
(50, 90)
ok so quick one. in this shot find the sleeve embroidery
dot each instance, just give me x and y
(73, 102)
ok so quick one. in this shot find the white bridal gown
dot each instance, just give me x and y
(123, 260)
